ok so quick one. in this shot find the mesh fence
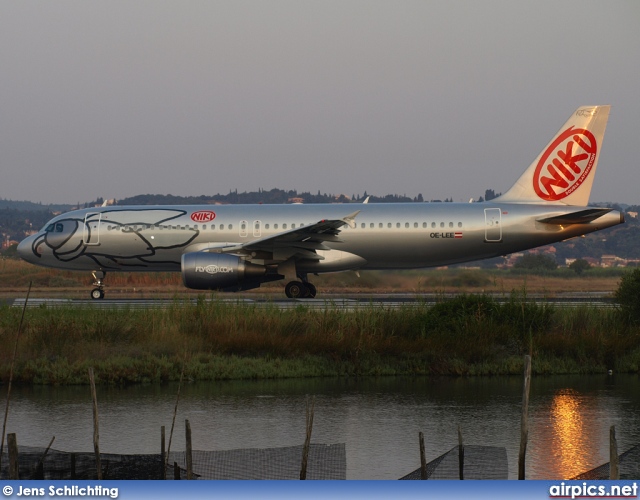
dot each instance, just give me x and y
(480, 462)
(325, 462)
(628, 466)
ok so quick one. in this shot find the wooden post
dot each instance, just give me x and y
(189, 450)
(460, 454)
(13, 361)
(307, 440)
(12, 444)
(524, 422)
(96, 430)
(423, 459)
(163, 470)
(176, 471)
(614, 465)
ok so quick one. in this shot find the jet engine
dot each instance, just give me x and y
(215, 271)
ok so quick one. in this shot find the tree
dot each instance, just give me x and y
(579, 266)
(628, 295)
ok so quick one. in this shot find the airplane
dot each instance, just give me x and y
(239, 247)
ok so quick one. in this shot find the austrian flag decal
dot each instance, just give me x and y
(565, 164)
(457, 235)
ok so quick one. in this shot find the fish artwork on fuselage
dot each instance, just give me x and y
(240, 247)
(87, 241)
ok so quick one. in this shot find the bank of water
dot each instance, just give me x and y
(378, 418)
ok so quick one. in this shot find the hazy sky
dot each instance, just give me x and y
(444, 98)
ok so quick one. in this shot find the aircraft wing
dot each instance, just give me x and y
(580, 217)
(300, 243)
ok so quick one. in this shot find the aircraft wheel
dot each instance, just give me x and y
(97, 294)
(312, 290)
(296, 290)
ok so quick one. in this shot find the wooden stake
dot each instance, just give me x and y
(307, 440)
(13, 362)
(12, 444)
(175, 412)
(163, 471)
(96, 430)
(189, 456)
(40, 466)
(614, 465)
(524, 422)
(460, 454)
(423, 459)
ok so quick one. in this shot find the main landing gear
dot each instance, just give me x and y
(98, 292)
(300, 290)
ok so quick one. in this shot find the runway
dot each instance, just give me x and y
(342, 302)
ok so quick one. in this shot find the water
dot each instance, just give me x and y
(378, 419)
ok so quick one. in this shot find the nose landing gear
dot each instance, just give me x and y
(98, 292)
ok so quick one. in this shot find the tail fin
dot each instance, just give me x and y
(564, 171)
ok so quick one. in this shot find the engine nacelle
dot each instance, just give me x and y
(213, 271)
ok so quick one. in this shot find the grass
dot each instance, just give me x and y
(15, 276)
(469, 335)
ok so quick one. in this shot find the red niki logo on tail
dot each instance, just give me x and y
(565, 164)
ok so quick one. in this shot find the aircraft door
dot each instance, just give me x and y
(256, 228)
(243, 228)
(493, 226)
(91, 231)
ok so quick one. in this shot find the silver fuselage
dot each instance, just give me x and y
(385, 236)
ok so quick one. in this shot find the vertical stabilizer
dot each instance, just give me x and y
(563, 172)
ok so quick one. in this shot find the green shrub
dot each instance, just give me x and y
(628, 295)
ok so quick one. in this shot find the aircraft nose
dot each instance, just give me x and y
(25, 249)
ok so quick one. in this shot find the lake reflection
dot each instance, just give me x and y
(378, 419)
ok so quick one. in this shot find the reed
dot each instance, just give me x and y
(469, 335)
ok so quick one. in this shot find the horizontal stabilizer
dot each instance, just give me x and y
(581, 217)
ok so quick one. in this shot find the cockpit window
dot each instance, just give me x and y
(58, 227)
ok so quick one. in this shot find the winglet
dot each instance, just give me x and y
(350, 219)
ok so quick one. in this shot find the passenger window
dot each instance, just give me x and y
(372, 225)
(424, 224)
(380, 225)
(433, 224)
(459, 224)
(293, 226)
(230, 226)
(266, 226)
(363, 225)
(389, 224)
(398, 225)
(450, 224)
(406, 224)
(442, 224)
(284, 226)
(275, 226)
